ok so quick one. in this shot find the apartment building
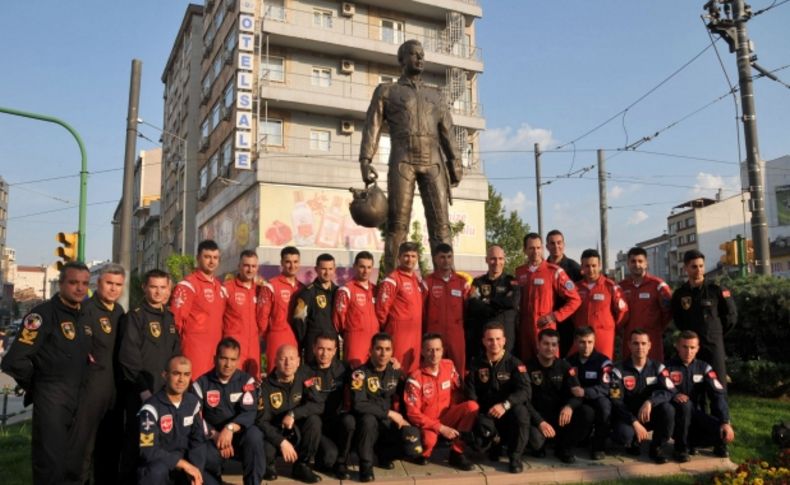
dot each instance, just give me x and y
(146, 211)
(284, 90)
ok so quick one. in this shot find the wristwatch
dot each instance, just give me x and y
(506, 405)
(231, 427)
(291, 414)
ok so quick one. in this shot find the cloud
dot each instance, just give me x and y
(709, 184)
(637, 217)
(522, 138)
(518, 203)
(616, 192)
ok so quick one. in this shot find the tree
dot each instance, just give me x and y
(506, 230)
(179, 265)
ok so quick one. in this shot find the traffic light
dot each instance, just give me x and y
(67, 251)
(730, 249)
(749, 251)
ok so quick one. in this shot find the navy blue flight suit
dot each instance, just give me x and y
(339, 424)
(595, 376)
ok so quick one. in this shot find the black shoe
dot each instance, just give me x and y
(539, 453)
(460, 461)
(565, 456)
(681, 456)
(721, 451)
(341, 471)
(270, 474)
(386, 464)
(597, 455)
(366, 473)
(692, 451)
(657, 455)
(494, 453)
(303, 473)
(515, 465)
(634, 449)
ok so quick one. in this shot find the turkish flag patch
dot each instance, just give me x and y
(212, 398)
(166, 423)
(248, 387)
(522, 368)
(629, 382)
(572, 371)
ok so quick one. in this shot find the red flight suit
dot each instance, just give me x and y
(436, 400)
(240, 322)
(649, 308)
(275, 305)
(399, 312)
(354, 318)
(603, 308)
(444, 314)
(545, 288)
(198, 304)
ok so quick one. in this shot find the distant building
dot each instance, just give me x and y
(32, 284)
(146, 211)
(657, 249)
(777, 197)
(704, 224)
(3, 225)
(780, 256)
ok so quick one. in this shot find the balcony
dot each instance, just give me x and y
(339, 96)
(347, 37)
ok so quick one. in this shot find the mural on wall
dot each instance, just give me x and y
(235, 229)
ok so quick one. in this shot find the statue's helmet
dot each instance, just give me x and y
(369, 206)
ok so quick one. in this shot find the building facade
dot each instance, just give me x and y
(657, 249)
(146, 208)
(284, 91)
(3, 225)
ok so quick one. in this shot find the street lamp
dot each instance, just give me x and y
(183, 182)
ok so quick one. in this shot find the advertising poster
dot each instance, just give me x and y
(783, 205)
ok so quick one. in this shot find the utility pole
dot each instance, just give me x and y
(128, 176)
(602, 206)
(732, 28)
(539, 190)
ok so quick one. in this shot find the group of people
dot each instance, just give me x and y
(504, 363)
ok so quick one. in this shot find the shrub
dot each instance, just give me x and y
(761, 377)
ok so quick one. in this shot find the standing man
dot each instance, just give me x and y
(229, 400)
(649, 302)
(49, 359)
(556, 409)
(603, 306)
(421, 130)
(548, 296)
(434, 403)
(239, 320)
(355, 312)
(641, 393)
(313, 313)
(707, 309)
(494, 299)
(276, 299)
(399, 308)
(499, 383)
(198, 306)
(446, 293)
(376, 390)
(289, 414)
(555, 243)
(171, 433)
(97, 422)
(148, 340)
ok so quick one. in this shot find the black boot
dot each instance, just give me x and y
(303, 473)
(515, 465)
(657, 454)
(460, 461)
(366, 473)
(341, 471)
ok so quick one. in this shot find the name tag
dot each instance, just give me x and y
(235, 396)
(650, 380)
(455, 293)
(697, 378)
(537, 281)
(590, 374)
(644, 296)
(189, 420)
(446, 385)
(598, 296)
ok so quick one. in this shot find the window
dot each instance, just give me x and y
(690, 222)
(386, 78)
(207, 82)
(322, 18)
(692, 237)
(204, 128)
(384, 149)
(227, 152)
(218, 18)
(213, 166)
(466, 156)
(230, 41)
(319, 140)
(228, 95)
(392, 31)
(203, 180)
(215, 116)
(273, 69)
(271, 132)
(274, 10)
(321, 76)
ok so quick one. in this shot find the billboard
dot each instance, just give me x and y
(783, 205)
(234, 229)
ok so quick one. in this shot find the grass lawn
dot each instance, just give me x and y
(15, 454)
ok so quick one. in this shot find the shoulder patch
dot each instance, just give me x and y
(33, 321)
(569, 285)
(357, 379)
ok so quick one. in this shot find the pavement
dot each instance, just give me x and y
(545, 470)
(13, 406)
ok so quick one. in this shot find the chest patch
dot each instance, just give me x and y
(276, 399)
(676, 376)
(590, 374)
(208, 294)
(361, 299)
(212, 398)
(105, 325)
(166, 423)
(650, 380)
(537, 281)
(155, 328)
(437, 291)
(629, 382)
(68, 330)
(455, 293)
(644, 296)
(320, 300)
(235, 396)
(537, 377)
(697, 378)
(285, 295)
(240, 298)
(598, 297)
(483, 374)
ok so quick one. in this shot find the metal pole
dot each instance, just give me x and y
(83, 171)
(762, 263)
(539, 190)
(602, 210)
(128, 175)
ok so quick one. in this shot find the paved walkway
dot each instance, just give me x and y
(14, 405)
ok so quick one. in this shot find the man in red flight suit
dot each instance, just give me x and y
(198, 305)
(239, 321)
(399, 308)
(275, 305)
(649, 302)
(544, 286)
(434, 403)
(354, 315)
(603, 307)
(446, 293)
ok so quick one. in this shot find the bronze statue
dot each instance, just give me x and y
(423, 150)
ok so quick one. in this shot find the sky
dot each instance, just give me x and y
(552, 72)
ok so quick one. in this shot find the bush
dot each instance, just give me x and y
(761, 377)
(757, 471)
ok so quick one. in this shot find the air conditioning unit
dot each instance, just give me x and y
(203, 143)
(227, 57)
(225, 112)
(347, 9)
(346, 66)
(346, 127)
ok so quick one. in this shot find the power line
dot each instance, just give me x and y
(61, 210)
(773, 5)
